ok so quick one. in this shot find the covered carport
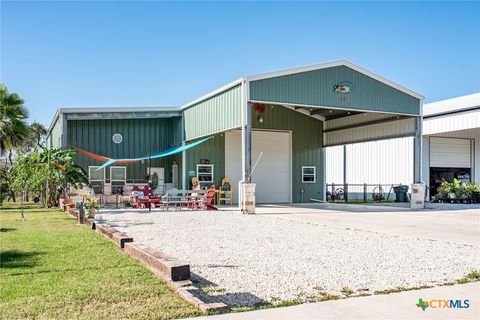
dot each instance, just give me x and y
(290, 117)
(451, 139)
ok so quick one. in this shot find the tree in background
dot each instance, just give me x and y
(63, 173)
(28, 174)
(35, 140)
(13, 127)
(4, 186)
(30, 166)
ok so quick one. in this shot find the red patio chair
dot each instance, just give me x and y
(209, 198)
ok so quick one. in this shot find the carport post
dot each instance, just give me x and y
(417, 151)
(248, 144)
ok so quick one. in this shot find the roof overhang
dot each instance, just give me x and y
(452, 106)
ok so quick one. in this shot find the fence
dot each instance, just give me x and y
(361, 192)
(116, 187)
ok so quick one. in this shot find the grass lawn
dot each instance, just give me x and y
(52, 268)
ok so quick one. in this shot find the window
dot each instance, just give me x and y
(94, 175)
(308, 174)
(205, 173)
(118, 173)
(118, 176)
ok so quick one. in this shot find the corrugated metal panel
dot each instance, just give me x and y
(356, 120)
(140, 137)
(215, 114)
(55, 134)
(450, 153)
(334, 164)
(453, 122)
(307, 141)
(214, 151)
(317, 88)
(399, 128)
(384, 161)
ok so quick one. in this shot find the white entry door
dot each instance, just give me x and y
(158, 174)
(273, 172)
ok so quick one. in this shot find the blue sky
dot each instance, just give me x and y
(61, 54)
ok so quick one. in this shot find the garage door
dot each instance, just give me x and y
(450, 153)
(273, 172)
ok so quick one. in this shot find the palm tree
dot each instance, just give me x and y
(13, 128)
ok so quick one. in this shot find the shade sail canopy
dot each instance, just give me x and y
(165, 153)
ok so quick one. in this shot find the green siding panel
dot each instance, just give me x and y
(307, 141)
(215, 114)
(140, 137)
(316, 88)
(55, 134)
(214, 151)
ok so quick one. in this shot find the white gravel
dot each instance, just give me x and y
(256, 259)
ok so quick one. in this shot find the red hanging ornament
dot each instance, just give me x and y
(260, 108)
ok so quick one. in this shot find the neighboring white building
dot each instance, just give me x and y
(451, 140)
(451, 149)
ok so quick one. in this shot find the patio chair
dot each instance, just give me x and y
(209, 198)
(195, 182)
(225, 194)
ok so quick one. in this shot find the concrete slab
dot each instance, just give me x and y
(393, 306)
(456, 226)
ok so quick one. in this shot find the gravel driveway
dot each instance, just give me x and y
(256, 259)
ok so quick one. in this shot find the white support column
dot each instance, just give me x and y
(248, 144)
(417, 151)
(244, 110)
(183, 165)
(323, 173)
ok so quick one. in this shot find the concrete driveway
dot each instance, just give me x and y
(398, 306)
(456, 226)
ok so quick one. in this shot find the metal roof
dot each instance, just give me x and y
(453, 105)
(113, 112)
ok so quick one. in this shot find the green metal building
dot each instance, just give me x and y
(277, 124)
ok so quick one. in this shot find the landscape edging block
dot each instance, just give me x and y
(175, 273)
(158, 262)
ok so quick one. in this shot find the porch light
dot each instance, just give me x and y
(260, 119)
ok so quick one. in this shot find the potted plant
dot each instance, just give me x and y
(91, 206)
(472, 191)
(457, 189)
(443, 191)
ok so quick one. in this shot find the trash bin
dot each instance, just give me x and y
(401, 193)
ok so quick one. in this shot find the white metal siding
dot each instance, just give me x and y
(334, 164)
(405, 127)
(450, 123)
(384, 161)
(450, 153)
